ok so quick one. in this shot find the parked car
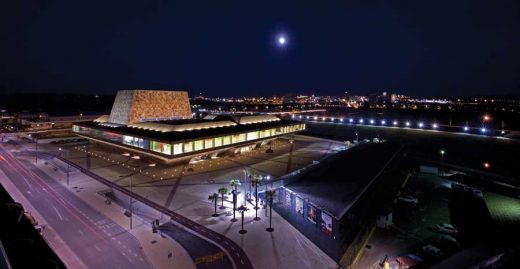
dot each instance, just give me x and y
(408, 199)
(477, 193)
(458, 186)
(445, 228)
(432, 251)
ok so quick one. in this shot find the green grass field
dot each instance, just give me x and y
(504, 210)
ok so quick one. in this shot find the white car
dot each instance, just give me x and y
(446, 228)
(458, 186)
(408, 199)
(477, 193)
(432, 250)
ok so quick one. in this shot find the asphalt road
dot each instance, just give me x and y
(95, 239)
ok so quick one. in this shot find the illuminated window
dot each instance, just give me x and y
(161, 147)
(238, 138)
(226, 140)
(199, 145)
(177, 148)
(218, 141)
(208, 143)
(252, 135)
(188, 147)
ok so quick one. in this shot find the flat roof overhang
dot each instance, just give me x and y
(191, 135)
(180, 157)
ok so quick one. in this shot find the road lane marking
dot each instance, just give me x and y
(59, 215)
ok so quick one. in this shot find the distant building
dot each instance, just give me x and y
(159, 124)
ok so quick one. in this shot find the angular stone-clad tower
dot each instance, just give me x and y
(133, 106)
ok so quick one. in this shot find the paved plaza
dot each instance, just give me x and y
(185, 188)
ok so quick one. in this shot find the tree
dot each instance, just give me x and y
(214, 198)
(234, 184)
(255, 181)
(234, 192)
(270, 197)
(242, 209)
(222, 191)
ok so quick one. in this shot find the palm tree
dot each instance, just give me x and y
(242, 209)
(214, 198)
(255, 181)
(222, 191)
(234, 184)
(270, 197)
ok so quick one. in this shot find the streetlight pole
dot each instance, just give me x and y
(245, 187)
(442, 160)
(36, 150)
(131, 206)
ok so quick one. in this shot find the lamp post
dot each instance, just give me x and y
(442, 160)
(66, 161)
(131, 206)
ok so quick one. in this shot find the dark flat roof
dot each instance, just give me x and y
(188, 135)
(339, 180)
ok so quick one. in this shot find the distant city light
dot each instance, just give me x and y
(435, 126)
(332, 119)
(421, 124)
(324, 118)
(486, 165)
(503, 132)
(395, 123)
(483, 130)
(407, 123)
(315, 118)
(466, 128)
(486, 117)
(383, 122)
(360, 120)
(341, 119)
(307, 117)
(371, 121)
(351, 120)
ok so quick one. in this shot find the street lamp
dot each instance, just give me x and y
(486, 165)
(442, 160)
(68, 165)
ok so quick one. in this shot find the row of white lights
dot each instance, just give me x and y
(383, 122)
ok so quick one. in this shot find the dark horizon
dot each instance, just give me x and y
(230, 49)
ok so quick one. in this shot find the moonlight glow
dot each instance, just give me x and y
(282, 40)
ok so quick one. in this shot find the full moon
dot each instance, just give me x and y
(282, 40)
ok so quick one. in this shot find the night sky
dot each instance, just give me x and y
(229, 48)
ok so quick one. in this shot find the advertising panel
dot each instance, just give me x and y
(299, 205)
(312, 214)
(326, 224)
(287, 198)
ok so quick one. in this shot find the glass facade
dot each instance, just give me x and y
(161, 147)
(188, 146)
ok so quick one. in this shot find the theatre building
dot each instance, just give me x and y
(159, 124)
